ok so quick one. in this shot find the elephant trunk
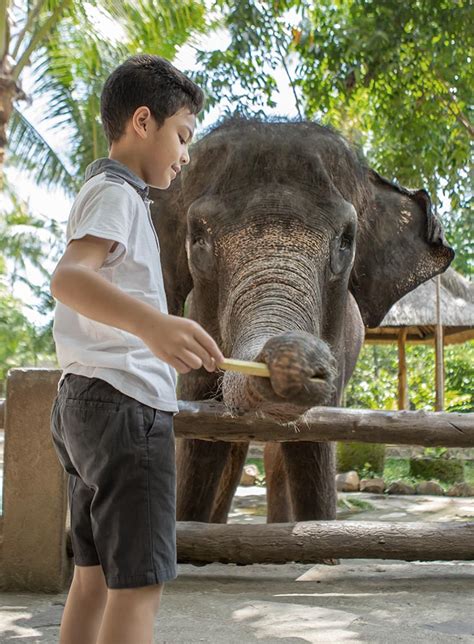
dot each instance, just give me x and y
(272, 315)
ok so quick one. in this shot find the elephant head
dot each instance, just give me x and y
(284, 239)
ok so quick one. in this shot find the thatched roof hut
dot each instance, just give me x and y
(416, 312)
(441, 311)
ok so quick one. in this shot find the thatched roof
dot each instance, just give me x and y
(417, 312)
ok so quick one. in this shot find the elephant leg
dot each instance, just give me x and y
(311, 472)
(229, 481)
(199, 467)
(279, 508)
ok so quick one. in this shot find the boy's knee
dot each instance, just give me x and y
(90, 581)
(142, 594)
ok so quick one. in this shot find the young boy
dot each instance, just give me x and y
(112, 419)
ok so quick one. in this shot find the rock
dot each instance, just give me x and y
(249, 474)
(347, 482)
(461, 489)
(374, 485)
(399, 487)
(429, 487)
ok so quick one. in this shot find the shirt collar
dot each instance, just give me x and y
(119, 169)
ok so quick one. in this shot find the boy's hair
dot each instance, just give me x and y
(145, 80)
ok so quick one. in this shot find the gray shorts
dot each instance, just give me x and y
(120, 457)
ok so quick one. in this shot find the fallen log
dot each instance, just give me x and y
(313, 541)
(212, 421)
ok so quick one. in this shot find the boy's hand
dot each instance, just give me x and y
(181, 342)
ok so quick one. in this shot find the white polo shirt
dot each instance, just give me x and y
(113, 203)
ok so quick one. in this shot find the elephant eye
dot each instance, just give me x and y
(345, 243)
(199, 241)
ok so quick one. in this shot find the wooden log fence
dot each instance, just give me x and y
(35, 543)
(313, 541)
(212, 421)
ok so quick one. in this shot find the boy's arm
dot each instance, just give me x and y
(180, 342)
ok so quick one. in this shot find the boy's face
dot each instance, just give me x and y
(164, 149)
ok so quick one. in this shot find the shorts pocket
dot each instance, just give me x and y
(148, 415)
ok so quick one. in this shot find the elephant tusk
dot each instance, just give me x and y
(251, 368)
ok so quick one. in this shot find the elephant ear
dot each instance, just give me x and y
(400, 246)
(169, 217)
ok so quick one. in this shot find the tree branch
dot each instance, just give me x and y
(293, 88)
(38, 37)
(458, 114)
(29, 21)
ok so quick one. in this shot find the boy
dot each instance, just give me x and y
(112, 419)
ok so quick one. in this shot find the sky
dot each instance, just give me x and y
(53, 203)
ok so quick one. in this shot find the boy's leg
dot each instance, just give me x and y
(87, 594)
(130, 614)
(85, 605)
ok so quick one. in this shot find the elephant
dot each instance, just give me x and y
(286, 245)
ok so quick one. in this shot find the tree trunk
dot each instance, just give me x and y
(9, 91)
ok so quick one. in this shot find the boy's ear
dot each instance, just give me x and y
(169, 219)
(141, 120)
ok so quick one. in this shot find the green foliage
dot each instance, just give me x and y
(21, 343)
(435, 452)
(398, 469)
(401, 73)
(366, 458)
(459, 376)
(441, 469)
(239, 76)
(374, 382)
(25, 242)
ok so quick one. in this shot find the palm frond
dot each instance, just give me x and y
(71, 67)
(159, 27)
(28, 150)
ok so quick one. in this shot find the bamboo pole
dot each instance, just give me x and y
(402, 370)
(439, 350)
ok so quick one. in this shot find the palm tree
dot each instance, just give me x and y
(70, 70)
(21, 34)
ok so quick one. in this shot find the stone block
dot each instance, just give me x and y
(35, 488)
(399, 487)
(347, 482)
(375, 485)
(429, 487)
